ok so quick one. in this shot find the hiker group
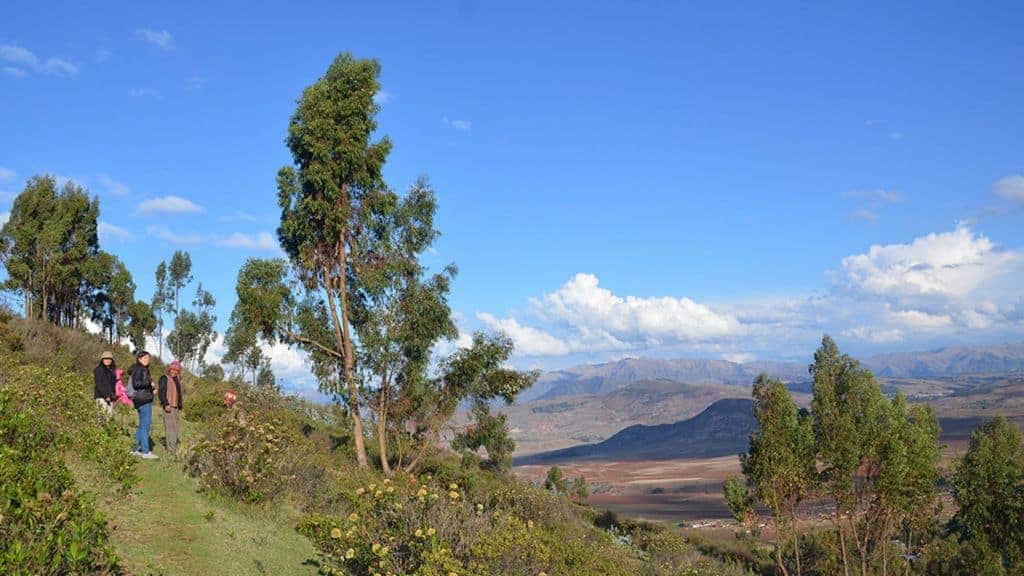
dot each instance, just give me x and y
(140, 393)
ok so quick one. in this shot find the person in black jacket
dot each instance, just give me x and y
(169, 391)
(142, 397)
(104, 389)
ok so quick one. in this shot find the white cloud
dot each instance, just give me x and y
(597, 313)
(950, 264)
(895, 135)
(102, 55)
(113, 186)
(18, 55)
(529, 341)
(382, 97)
(4, 217)
(863, 215)
(160, 38)
(107, 230)
(22, 60)
(60, 67)
(1010, 187)
(261, 241)
(6, 174)
(194, 83)
(919, 320)
(739, 357)
(173, 237)
(874, 335)
(461, 125)
(169, 205)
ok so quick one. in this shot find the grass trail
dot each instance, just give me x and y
(167, 527)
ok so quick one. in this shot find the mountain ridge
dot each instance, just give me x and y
(606, 377)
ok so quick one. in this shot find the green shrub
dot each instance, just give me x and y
(62, 403)
(241, 459)
(46, 527)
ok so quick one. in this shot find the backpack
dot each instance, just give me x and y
(129, 390)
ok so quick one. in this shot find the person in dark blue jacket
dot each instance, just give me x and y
(142, 397)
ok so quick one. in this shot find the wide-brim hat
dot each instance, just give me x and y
(107, 354)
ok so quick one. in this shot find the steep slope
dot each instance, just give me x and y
(722, 428)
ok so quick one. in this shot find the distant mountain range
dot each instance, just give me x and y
(951, 361)
(723, 428)
(601, 379)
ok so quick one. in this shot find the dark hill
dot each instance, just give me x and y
(723, 428)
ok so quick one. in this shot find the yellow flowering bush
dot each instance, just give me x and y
(242, 459)
(398, 526)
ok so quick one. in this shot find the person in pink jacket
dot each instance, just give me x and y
(122, 396)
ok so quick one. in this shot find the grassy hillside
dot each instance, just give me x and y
(272, 489)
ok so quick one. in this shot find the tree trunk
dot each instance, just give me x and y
(796, 541)
(382, 430)
(344, 342)
(778, 547)
(842, 543)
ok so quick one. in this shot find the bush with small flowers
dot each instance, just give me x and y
(241, 458)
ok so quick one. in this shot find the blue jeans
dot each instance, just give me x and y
(142, 433)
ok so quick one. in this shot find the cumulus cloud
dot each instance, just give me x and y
(920, 320)
(950, 264)
(956, 282)
(595, 311)
(6, 174)
(529, 341)
(4, 217)
(1010, 187)
(21, 61)
(169, 205)
(261, 241)
(162, 39)
(108, 231)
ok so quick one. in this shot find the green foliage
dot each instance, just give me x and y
(179, 275)
(490, 432)
(194, 330)
(242, 459)
(50, 250)
(47, 527)
(580, 492)
(989, 489)
(141, 323)
(555, 481)
(738, 499)
(62, 403)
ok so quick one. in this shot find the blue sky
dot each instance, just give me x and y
(615, 179)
